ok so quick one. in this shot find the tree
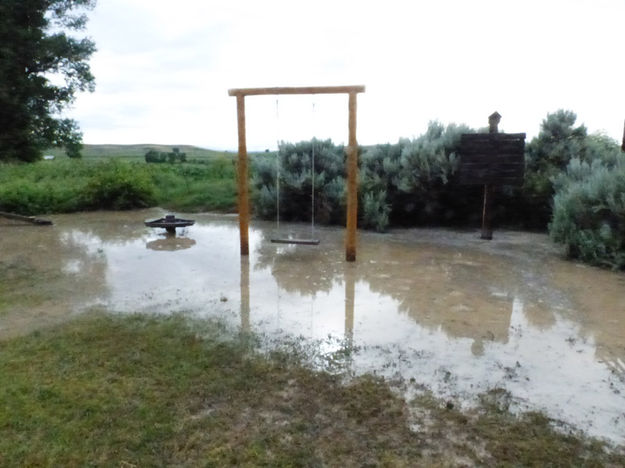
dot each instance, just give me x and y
(557, 143)
(41, 70)
(546, 157)
(152, 156)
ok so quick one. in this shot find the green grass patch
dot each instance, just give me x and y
(196, 187)
(122, 390)
(79, 185)
(148, 391)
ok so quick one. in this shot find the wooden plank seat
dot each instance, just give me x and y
(295, 241)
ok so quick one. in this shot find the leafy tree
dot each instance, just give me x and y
(41, 69)
(179, 156)
(152, 156)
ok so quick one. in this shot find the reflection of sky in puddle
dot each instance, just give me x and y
(458, 320)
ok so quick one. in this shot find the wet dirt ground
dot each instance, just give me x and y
(436, 309)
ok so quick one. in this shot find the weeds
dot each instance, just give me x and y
(71, 185)
(112, 390)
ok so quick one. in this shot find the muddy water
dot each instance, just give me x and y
(441, 309)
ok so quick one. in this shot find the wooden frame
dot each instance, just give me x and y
(351, 150)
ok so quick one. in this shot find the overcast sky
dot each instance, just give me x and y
(163, 68)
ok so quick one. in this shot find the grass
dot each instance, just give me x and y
(137, 152)
(196, 187)
(77, 185)
(143, 391)
(15, 282)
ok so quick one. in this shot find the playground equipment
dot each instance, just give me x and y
(281, 238)
(170, 223)
(352, 158)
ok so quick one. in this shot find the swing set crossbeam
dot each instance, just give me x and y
(351, 163)
(296, 241)
(296, 90)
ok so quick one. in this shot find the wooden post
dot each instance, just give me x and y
(243, 203)
(352, 158)
(487, 228)
(352, 183)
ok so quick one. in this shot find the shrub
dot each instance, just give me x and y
(295, 190)
(42, 187)
(405, 183)
(589, 213)
(375, 211)
(153, 156)
(74, 185)
(118, 186)
(416, 178)
(547, 156)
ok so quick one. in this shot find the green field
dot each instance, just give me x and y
(117, 177)
(137, 152)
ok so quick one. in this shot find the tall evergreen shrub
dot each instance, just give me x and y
(547, 155)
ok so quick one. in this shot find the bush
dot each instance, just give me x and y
(589, 213)
(153, 156)
(42, 187)
(296, 182)
(117, 186)
(32, 199)
(547, 157)
(416, 179)
(73, 185)
(410, 182)
(375, 211)
(209, 185)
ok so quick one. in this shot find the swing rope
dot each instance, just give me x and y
(312, 240)
(312, 176)
(278, 163)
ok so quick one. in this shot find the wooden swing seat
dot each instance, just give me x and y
(296, 241)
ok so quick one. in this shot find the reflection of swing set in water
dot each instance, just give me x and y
(352, 163)
(350, 293)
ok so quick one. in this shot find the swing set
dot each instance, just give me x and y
(352, 164)
(281, 239)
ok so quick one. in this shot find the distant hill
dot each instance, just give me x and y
(138, 151)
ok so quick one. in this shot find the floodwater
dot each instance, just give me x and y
(437, 309)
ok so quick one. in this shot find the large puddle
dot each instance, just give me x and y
(437, 308)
